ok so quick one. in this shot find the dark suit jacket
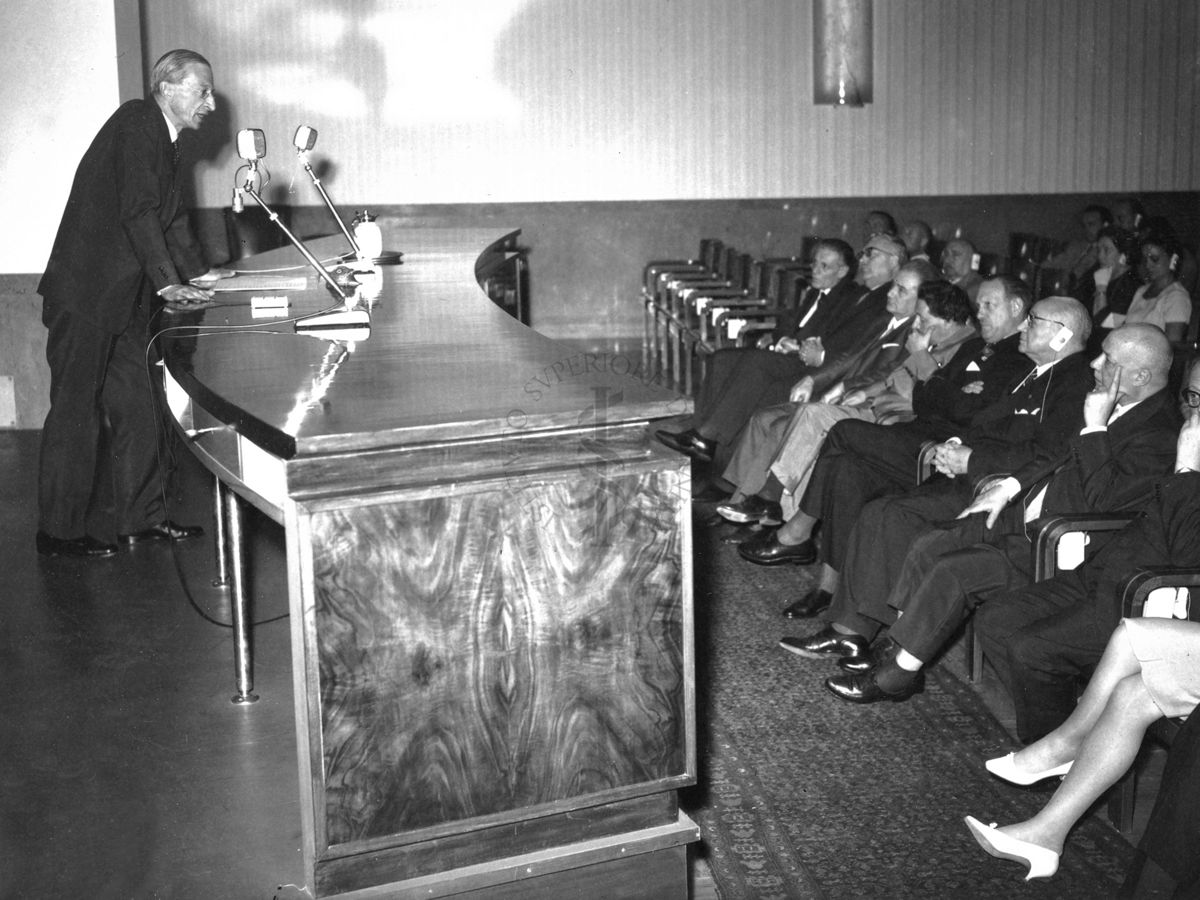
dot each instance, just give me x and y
(124, 223)
(1103, 471)
(879, 358)
(941, 399)
(1031, 425)
(855, 327)
(833, 306)
(1111, 470)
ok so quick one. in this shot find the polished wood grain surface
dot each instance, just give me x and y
(441, 361)
(475, 660)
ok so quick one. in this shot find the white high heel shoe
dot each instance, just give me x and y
(1004, 767)
(1042, 862)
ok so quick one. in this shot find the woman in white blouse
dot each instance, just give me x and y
(1162, 301)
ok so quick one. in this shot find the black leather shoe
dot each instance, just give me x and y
(752, 509)
(809, 605)
(826, 643)
(880, 651)
(767, 551)
(864, 688)
(86, 547)
(689, 443)
(165, 530)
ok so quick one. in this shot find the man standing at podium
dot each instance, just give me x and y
(124, 245)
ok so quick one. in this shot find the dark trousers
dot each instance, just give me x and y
(859, 462)
(879, 544)
(947, 575)
(739, 381)
(1043, 640)
(98, 380)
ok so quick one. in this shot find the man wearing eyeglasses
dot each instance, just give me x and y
(1044, 638)
(124, 248)
(1126, 444)
(1029, 426)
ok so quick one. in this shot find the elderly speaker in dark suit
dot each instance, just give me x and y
(123, 248)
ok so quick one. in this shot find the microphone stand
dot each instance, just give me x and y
(329, 203)
(274, 217)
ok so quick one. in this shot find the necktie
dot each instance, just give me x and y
(175, 153)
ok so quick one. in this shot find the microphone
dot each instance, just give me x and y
(251, 146)
(305, 138)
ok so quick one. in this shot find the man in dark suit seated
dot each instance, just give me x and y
(837, 321)
(1029, 426)
(1127, 443)
(868, 460)
(1044, 638)
(123, 248)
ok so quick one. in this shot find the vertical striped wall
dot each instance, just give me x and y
(467, 101)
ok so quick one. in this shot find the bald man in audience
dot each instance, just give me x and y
(1126, 443)
(1044, 638)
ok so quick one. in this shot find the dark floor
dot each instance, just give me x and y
(128, 773)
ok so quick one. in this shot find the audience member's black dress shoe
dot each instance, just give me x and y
(865, 689)
(809, 605)
(689, 443)
(752, 509)
(767, 551)
(826, 643)
(880, 651)
(165, 530)
(86, 547)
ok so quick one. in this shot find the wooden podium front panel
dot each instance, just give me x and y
(494, 652)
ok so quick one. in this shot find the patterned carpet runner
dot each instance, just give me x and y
(802, 795)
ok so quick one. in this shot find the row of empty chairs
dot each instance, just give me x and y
(693, 307)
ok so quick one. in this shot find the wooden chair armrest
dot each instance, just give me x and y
(925, 461)
(1047, 531)
(1149, 578)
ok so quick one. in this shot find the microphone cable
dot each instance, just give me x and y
(165, 457)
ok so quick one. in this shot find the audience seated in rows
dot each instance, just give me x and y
(837, 321)
(1115, 462)
(867, 537)
(773, 457)
(874, 460)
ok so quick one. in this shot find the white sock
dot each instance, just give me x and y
(907, 661)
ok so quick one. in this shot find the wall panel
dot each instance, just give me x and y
(535, 100)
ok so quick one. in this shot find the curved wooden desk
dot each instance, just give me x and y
(489, 580)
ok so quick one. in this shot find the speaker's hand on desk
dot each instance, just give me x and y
(182, 297)
(212, 275)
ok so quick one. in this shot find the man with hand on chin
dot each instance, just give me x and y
(1126, 444)
(123, 248)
